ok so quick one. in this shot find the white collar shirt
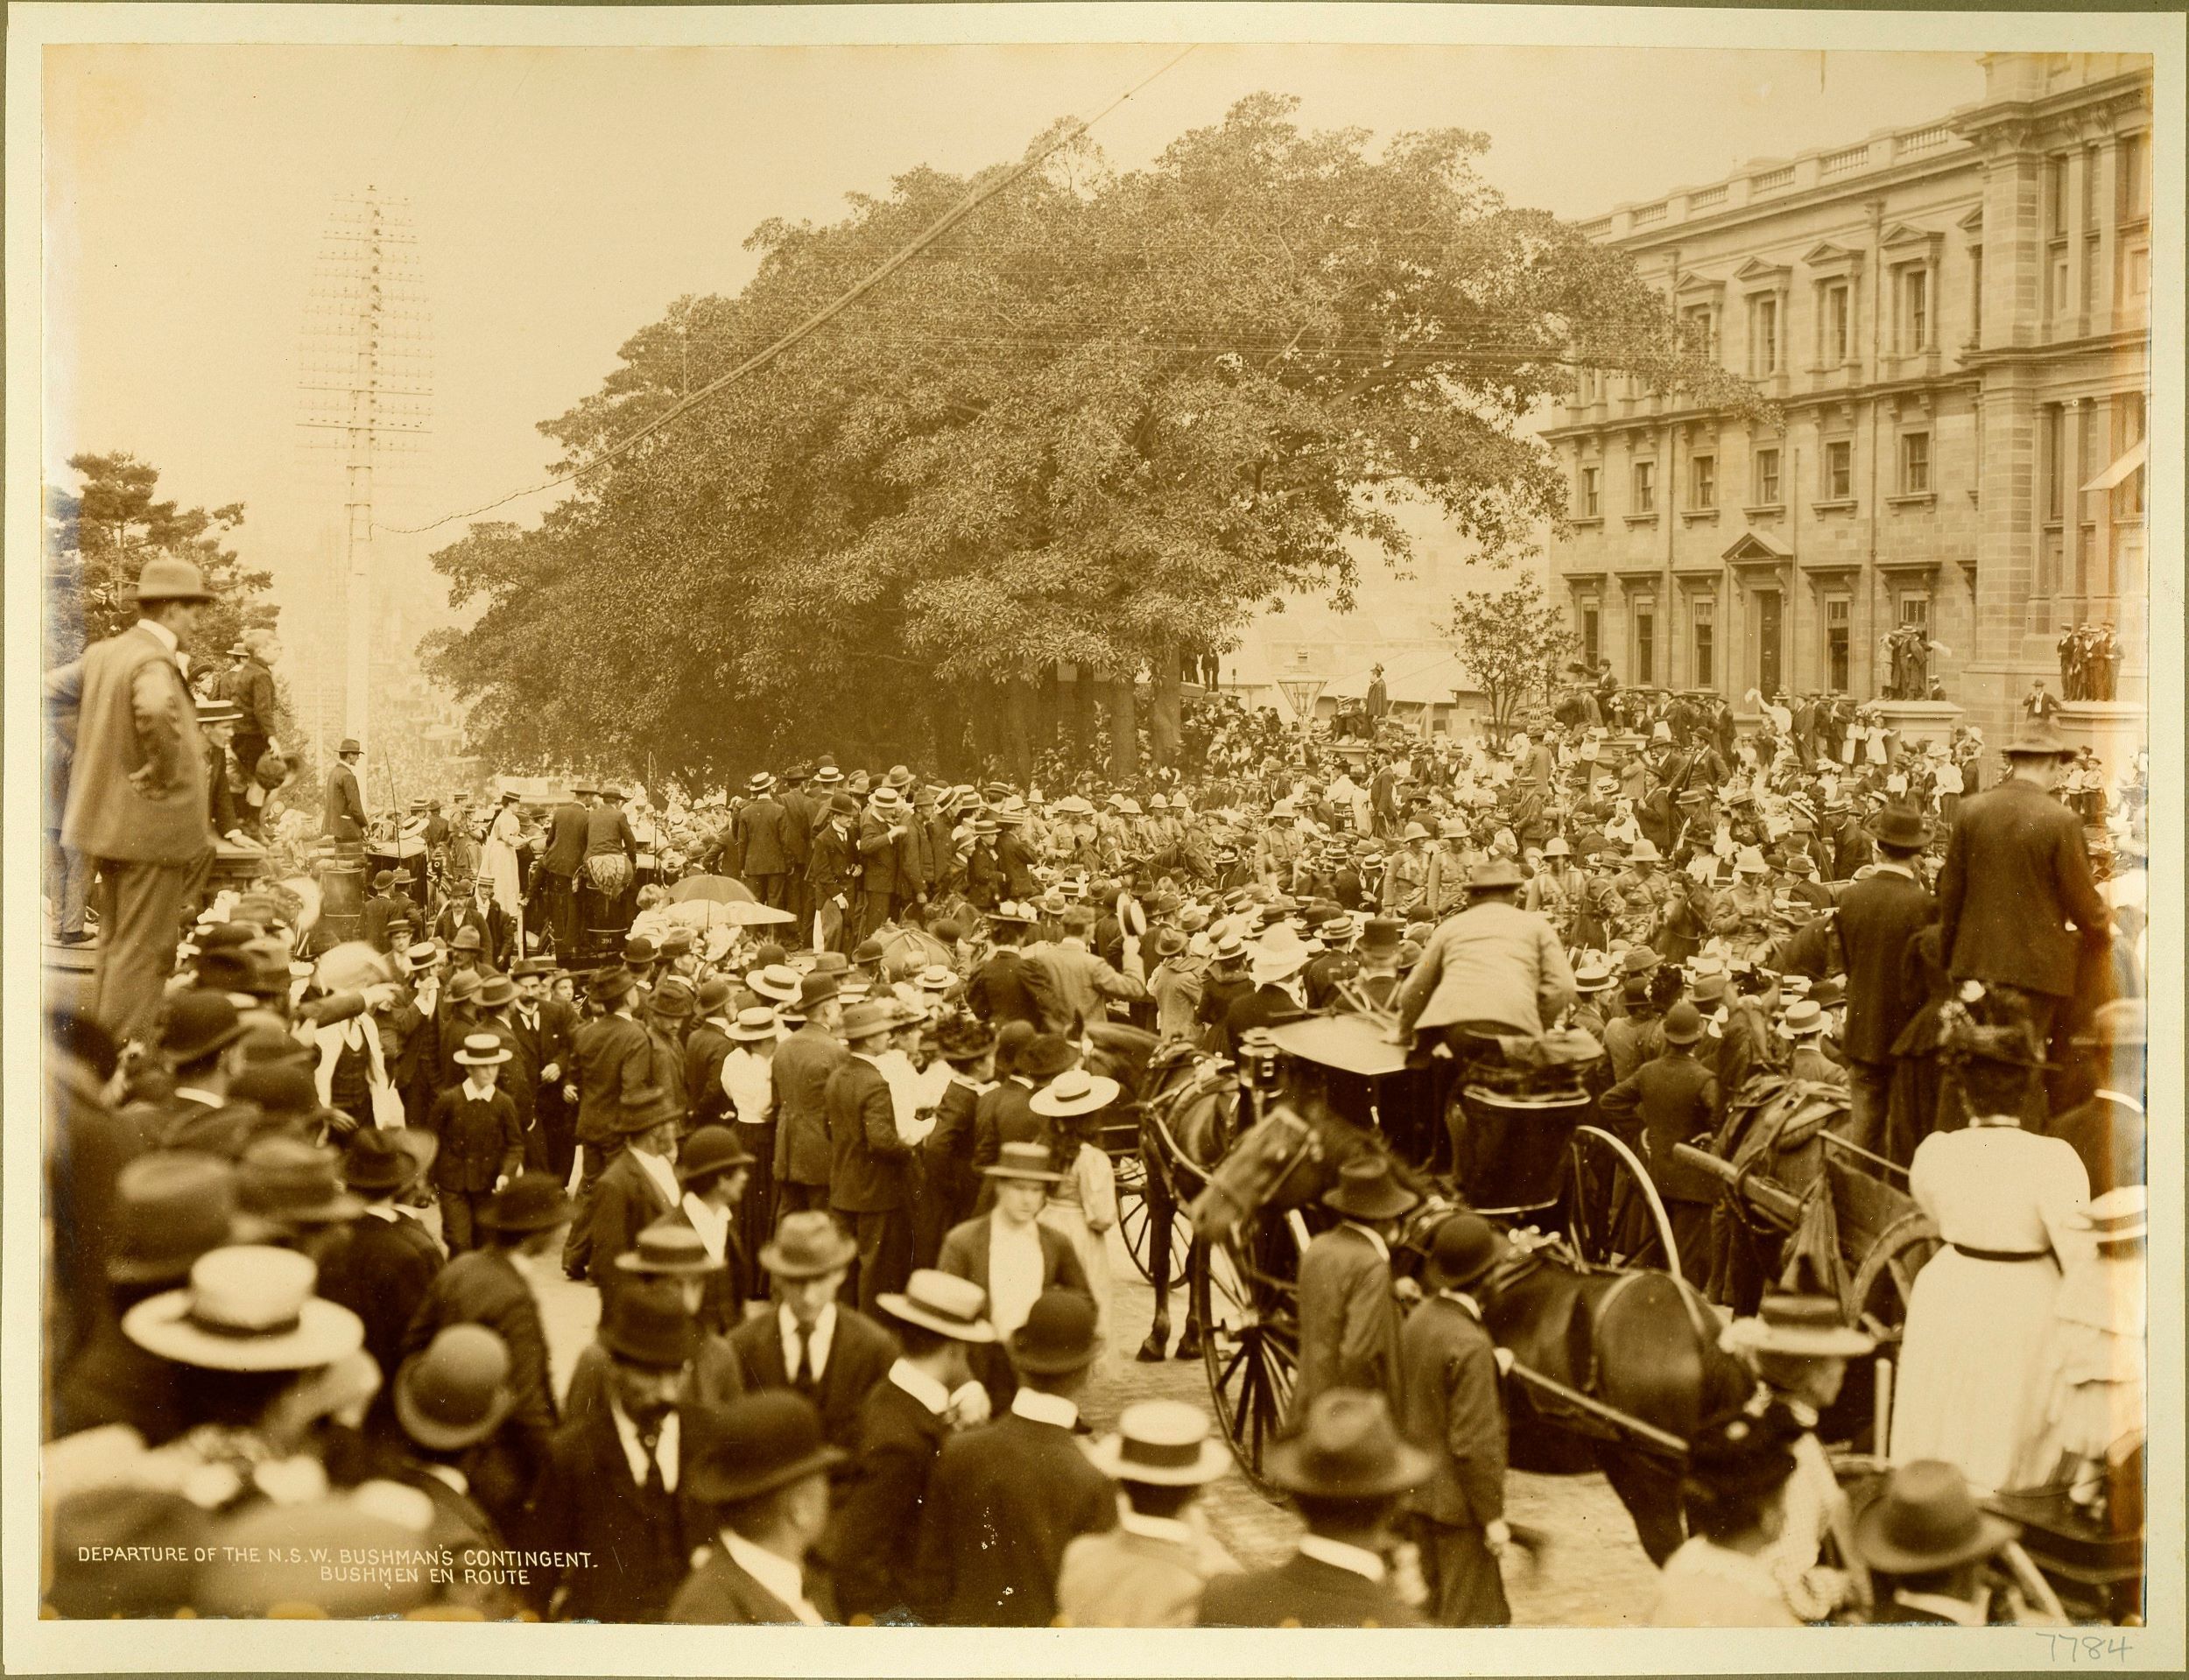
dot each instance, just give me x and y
(1383, 1249)
(1339, 1555)
(665, 1446)
(922, 1388)
(663, 1172)
(1014, 1272)
(1039, 1408)
(779, 1575)
(817, 1345)
(710, 1221)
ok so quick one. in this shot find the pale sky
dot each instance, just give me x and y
(563, 197)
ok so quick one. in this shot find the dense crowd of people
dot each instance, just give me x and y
(827, 1143)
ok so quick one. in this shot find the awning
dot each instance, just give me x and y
(2121, 468)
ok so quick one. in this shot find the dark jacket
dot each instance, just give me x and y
(1452, 1409)
(868, 1159)
(964, 1254)
(607, 829)
(480, 1141)
(832, 864)
(1673, 1097)
(381, 1270)
(802, 1067)
(1348, 1319)
(484, 1287)
(1304, 1592)
(251, 686)
(703, 1055)
(2016, 874)
(762, 847)
(566, 827)
(998, 991)
(1003, 1503)
(343, 813)
(586, 1500)
(719, 1594)
(625, 1201)
(879, 853)
(1876, 918)
(874, 1532)
(136, 783)
(859, 1355)
(614, 1061)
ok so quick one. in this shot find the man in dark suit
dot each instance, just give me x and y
(1348, 1314)
(2107, 1128)
(1004, 1114)
(1347, 1471)
(481, 1142)
(763, 1483)
(614, 1061)
(557, 875)
(802, 1068)
(1021, 1480)
(386, 1260)
(2016, 897)
(884, 831)
(136, 805)
(497, 927)
(342, 814)
(1013, 1257)
(1671, 1099)
(635, 1189)
(544, 1029)
(250, 686)
(522, 1225)
(902, 1422)
(612, 1486)
(833, 870)
(801, 812)
(764, 851)
(869, 1158)
(390, 900)
(827, 1352)
(1450, 1408)
(1877, 917)
(998, 991)
(705, 1050)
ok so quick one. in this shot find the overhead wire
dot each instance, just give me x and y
(814, 322)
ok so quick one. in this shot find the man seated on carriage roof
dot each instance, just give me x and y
(1494, 967)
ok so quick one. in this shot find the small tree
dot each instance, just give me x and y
(1512, 640)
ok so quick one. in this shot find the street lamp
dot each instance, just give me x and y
(1301, 694)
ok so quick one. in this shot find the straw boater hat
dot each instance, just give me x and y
(1803, 1019)
(1074, 1092)
(246, 1309)
(754, 1024)
(778, 981)
(1801, 1326)
(482, 1050)
(669, 1247)
(1163, 1443)
(2120, 1215)
(949, 1306)
(1024, 1161)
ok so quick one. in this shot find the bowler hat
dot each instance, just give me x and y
(378, 1161)
(1927, 1519)
(1683, 1024)
(456, 1391)
(669, 1247)
(715, 993)
(647, 1325)
(170, 1207)
(947, 1305)
(1348, 1449)
(531, 1201)
(1046, 1057)
(760, 1442)
(1465, 1248)
(652, 1107)
(199, 1024)
(639, 950)
(1057, 1336)
(166, 578)
(816, 988)
(808, 1244)
(1366, 1189)
(708, 1150)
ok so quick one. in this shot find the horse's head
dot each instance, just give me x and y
(1287, 1160)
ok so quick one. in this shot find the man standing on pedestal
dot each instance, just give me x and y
(344, 820)
(136, 805)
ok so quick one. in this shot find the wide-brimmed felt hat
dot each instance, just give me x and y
(1074, 1092)
(496, 991)
(673, 998)
(1049, 1055)
(531, 1201)
(482, 1050)
(166, 578)
(456, 1391)
(609, 985)
(1493, 872)
(1925, 1518)
(2033, 738)
(1349, 1448)
(669, 1247)
(759, 1442)
(653, 1105)
(246, 1308)
(170, 1207)
(468, 939)
(377, 1162)
(1163, 1443)
(1024, 1161)
(647, 1323)
(868, 1018)
(198, 1022)
(1366, 1189)
(349, 748)
(1057, 1336)
(1901, 826)
(949, 1306)
(715, 993)
(1802, 1327)
(807, 1245)
(287, 1181)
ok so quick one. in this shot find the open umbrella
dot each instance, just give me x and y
(719, 888)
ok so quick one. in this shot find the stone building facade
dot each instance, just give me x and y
(1954, 320)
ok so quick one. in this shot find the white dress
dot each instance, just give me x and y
(497, 861)
(1083, 1208)
(1972, 1353)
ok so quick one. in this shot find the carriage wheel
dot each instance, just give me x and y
(1886, 1278)
(1611, 1208)
(1246, 1292)
(1136, 1226)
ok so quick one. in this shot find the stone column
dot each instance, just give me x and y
(2106, 187)
(2077, 312)
(2074, 451)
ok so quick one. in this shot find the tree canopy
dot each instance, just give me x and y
(1511, 640)
(98, 538)
(1100, 423)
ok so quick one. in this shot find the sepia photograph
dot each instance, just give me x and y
(1006, 820)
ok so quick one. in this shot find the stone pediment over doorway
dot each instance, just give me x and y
(1752, 550)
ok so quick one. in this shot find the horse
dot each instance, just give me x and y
(1641, 1343)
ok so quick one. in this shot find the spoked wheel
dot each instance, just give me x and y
(1613, 1216)
(1246, 1292)
(1886, 1278)
(1136, 1225)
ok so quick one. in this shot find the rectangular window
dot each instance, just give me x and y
(1764, 491)
(1838, 642)
(1592, 492)
(1645, 640)
(2055, 459)
(2136, 271)
(2056, 190)
(1837, 327)
(1763, 336)
(1705, 643)
(1702, 482)
(2129, 419)
(1975, 294)
(1915, 463)
(2059, 282)
(1839, 471)
(1698, 328)
(2132, 177)
(1645, 487)
(1915, 609)
(1592, 634)
(1915, 310)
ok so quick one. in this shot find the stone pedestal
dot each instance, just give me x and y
(2117, 729)
(1916, 721)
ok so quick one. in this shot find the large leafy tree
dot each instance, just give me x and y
(1510, 640)
(1098, 424)
(98, 538)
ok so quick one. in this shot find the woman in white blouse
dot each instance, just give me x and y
(2008, 1204)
